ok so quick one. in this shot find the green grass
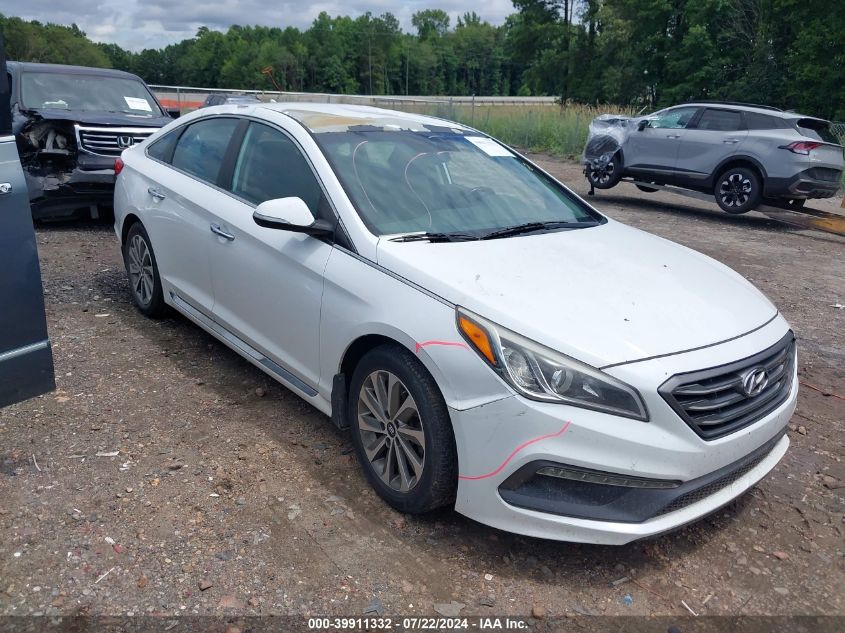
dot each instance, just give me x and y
(561, 131)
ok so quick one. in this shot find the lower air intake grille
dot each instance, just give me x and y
(718, 401)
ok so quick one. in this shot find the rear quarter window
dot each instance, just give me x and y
(756, 121)
(162, 149)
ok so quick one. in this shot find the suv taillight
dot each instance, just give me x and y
(801, 147)
(118, 166)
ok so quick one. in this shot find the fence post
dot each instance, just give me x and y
(179, 99)
(472, 111)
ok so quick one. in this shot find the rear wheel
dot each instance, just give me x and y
(605, 176)
(738, 190)
(401, 431)
(142, 270)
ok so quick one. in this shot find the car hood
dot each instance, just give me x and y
(97, 118)
(605, 295)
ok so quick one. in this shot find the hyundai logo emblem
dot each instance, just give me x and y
(754, 381)
(125, 141)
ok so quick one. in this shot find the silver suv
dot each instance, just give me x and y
(740, 153)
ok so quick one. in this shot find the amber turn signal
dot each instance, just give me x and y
(479, 338)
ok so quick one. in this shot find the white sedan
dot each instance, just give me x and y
(492, 342)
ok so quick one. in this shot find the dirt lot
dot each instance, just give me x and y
(165, 463)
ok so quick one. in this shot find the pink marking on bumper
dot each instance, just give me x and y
(515, 451)
(446, 343)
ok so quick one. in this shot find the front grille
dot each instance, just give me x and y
(110, 141)
(714, 402)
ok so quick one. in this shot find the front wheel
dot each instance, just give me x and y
(738, 190)
(605, 175)
(401, 431)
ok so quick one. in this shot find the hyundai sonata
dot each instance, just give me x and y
(492, 342)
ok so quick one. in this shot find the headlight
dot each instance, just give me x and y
(540, 373)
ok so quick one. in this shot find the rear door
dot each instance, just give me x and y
(180, 192)
(654, 149)
(715, 135)
(26, 359)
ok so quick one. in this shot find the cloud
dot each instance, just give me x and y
(139, 24)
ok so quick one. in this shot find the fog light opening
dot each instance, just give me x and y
(605, 479)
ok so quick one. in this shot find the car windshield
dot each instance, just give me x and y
(93, 93)
(406, 181)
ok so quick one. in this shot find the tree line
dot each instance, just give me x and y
(785, 53)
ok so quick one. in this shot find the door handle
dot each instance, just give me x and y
(673, 136)
(215, 228)
(731, 141)
(155, 193)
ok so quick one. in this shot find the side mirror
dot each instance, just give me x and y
(173, 113)
(642, 125)
(290, 214)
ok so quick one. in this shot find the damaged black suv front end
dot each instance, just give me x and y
(70, 124)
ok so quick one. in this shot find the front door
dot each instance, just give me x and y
(268, 283)
(653, 150)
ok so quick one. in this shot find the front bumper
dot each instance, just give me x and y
(58, 194)
(500, 440)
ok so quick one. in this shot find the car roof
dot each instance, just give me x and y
(62, 69)
(325, 117)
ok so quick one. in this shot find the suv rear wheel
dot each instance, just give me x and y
(738, 190)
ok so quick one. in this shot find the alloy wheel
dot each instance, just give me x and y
(140, 265)
(391, 430)
(735, 190)
(602, 175)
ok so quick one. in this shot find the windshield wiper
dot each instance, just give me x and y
(530, 227)
(435, 237)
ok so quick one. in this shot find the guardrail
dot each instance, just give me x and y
(189, 98)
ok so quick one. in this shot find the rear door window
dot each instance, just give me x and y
(720, 120)
(202, 147)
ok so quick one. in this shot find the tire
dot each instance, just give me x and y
(738, 190)
(142, 272)
(607, 176)
(420, 434)
(646, 189)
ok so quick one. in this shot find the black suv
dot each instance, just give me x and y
(70, 124)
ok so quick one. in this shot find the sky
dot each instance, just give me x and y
(139, 24)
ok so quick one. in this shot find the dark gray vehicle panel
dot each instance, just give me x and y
(26, 358)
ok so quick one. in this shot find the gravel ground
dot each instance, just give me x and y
(168, 476)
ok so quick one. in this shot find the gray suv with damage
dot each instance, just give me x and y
(742, 154)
